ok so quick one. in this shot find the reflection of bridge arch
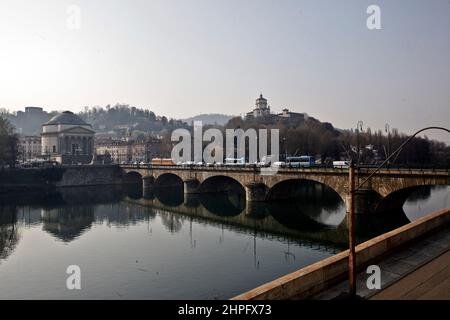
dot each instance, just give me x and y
(395, 200)
(323, 239)
(169, 196)
(298, 222)
(305, 202)
(222, 205)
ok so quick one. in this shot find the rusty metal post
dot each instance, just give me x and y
(351, 232)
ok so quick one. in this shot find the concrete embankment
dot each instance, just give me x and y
(320, 276)
(16, 181)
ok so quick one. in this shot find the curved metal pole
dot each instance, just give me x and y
(351, 213)
(398, 150)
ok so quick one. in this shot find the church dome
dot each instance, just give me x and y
(67, 117)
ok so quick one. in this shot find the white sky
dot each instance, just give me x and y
(182, 58)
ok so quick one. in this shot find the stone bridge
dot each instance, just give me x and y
(385, 191)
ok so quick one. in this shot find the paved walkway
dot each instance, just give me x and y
(431, 281)
(419, 271)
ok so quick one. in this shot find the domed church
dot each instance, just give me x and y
(67, 139)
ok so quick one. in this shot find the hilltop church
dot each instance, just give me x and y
(262, 110)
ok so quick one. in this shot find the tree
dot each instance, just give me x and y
(8, 144)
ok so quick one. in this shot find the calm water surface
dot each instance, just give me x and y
(132, 244)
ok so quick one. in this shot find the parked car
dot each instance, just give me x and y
(341, 164)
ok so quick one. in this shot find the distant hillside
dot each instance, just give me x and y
(212, 118)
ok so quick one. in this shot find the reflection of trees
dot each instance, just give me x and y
(92, 195)
(71, 195)
(9, 234)
(172, 221)
(122, 215)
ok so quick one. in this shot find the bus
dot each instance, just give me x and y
(299, 162)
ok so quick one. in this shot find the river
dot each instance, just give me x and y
(165, 245)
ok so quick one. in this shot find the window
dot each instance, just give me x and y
(54, 149)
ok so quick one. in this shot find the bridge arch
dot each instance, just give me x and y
(396, 199)
(168, 180)
(132, 177)
(221, 183)
(295, 187)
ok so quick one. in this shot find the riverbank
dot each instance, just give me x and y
(34, 180)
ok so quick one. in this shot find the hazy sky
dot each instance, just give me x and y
(181, 58)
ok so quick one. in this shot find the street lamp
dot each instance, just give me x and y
(351, 213)
(359, 127)
(388, 131)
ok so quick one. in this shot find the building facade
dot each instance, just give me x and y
(262, 110)
(286, 114)
(30, 147)
(129, 150)
(67, 139)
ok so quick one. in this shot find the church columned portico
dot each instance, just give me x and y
(81, 144)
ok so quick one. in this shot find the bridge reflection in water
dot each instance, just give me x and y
(140, 233)
(314, 217)
(315, 214)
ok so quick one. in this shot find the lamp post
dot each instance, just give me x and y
(351, 233)
(351, 213)
(388, 131)
(359, 127)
